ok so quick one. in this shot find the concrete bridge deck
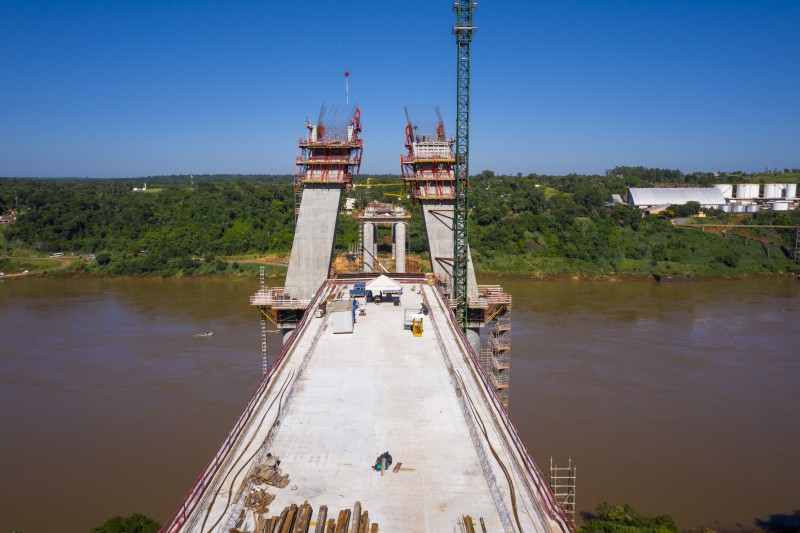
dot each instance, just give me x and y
(334, 402)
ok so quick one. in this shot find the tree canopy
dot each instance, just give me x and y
(135, 523)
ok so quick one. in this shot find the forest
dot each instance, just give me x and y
(543, 226)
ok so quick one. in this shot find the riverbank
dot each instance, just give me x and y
(277, 265)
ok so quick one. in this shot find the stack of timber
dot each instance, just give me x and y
(298, 519)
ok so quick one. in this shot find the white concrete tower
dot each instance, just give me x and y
(330, 154)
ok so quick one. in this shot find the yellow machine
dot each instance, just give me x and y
(416, 327)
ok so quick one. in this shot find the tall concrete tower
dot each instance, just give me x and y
(429, 170)
(330, 154)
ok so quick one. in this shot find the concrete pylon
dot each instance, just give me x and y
(439, 225)
(368, 249)
(400, 247)
(312, 249)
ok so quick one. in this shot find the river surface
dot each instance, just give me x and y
(681, 399)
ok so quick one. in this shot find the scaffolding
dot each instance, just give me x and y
(496, 354)
(262, 286)
(428, 167)
(331, 151)
(562, 483)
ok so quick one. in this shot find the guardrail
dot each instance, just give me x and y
(192, 499)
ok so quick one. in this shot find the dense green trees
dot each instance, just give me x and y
(621, 518)
(534, 225)
(165, 230)
(135, 523)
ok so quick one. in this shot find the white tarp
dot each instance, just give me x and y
(384, 285)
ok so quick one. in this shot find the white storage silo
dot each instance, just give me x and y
(780, 206)
(726, 189)
(739, 208)
(726, 208)
(747, 191)
(773, 191)
(751, 208)
(790, 191)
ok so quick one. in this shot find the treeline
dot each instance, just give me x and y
(531, 225)
(173, 227)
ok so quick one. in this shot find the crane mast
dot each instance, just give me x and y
(463, 31)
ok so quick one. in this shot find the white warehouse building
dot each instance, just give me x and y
(655, 199)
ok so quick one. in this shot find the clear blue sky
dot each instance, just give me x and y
(117, 88)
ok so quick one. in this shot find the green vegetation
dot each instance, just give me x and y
(621, 518)
(185, 229)
(522, 226)
(135, 523)
(516, 228)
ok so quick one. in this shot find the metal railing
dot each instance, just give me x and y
(546, 497)
(192, 499)
(275, 297)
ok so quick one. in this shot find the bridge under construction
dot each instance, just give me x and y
(338, 396)
(386, 408)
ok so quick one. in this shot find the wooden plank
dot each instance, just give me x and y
(281, 519)
(469, 527)
(356, 517)
(290, 518)
(396, 468)
(321, 518)
(303, 518)
(364, 525)
(343, 522)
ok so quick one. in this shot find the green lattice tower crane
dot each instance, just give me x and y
(463, 31)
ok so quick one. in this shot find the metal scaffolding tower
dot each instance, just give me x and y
(463, 31)
(562, 482)
(264, 362)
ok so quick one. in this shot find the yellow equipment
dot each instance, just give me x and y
(416, 327)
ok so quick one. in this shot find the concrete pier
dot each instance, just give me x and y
(400, 245)
(439, 227)
(310, 263)
(370, 247)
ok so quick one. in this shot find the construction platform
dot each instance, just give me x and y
(332, 403)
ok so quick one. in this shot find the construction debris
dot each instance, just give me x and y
(258, 500)
(265, 474)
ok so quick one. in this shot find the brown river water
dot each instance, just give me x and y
(681, 399)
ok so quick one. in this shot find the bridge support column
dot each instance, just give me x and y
(439, 227)
(310, 262)
(368, 250)
(400, 247)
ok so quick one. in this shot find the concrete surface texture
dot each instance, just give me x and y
(310, 262)
(336, 402)
(439, 227)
